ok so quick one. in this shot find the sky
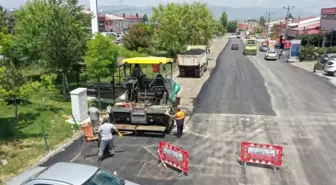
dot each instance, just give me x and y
(308, 5)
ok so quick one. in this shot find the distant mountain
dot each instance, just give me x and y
(233, 13)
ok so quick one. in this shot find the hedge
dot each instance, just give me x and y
(308, 52)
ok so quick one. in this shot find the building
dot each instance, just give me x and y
(328, 26)
(115, 23)
(133, 18)
(111, 23)
(252, 24)
(305, 27)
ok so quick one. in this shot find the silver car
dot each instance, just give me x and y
(271, 55)
(330, 67)
(68, 173)
(264, 48)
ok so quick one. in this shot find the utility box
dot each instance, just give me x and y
(79, 104)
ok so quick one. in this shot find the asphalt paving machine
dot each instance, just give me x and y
(147, 100)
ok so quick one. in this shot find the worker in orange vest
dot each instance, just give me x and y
(179, 117)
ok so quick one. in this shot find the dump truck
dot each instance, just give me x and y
(148, 100)
(250, 47)
(193, 62)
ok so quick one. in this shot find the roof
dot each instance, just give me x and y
(310, 32)
(132, 17)
(18, 180)
(114, 17)
(311, 26)
(71, 173)
(148, 60)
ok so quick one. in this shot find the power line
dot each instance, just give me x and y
(286, 24)
(268, 21)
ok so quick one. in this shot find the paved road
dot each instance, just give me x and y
(245, 98)
(235, 86)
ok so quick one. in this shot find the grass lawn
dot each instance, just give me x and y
(22, 144)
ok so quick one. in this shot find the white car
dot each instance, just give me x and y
(271, 55)
(330, 67)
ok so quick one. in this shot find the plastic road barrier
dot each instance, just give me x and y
(265, 154)
(174, 156)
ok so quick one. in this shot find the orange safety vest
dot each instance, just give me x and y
(180, 115)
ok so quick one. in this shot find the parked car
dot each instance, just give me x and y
(234, 47)
(271, 55)
(68, 173)
(264, 48)
(330, 67)
(326, 57)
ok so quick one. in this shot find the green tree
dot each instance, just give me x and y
(220, 28)
(258, 30)
(100, 59)
(290, 16)
(53, 33)
(223, 19)
(274, 31)
(48, 84)
(15, 87)
(262, 21)
(179, 25)
(145, 18)
(231, 26)
(138, 37)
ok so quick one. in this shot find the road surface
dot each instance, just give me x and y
(245, 99)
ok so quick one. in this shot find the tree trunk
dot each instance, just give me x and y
(99, 98)
(43, 103)
(65, 86)
(16, 111)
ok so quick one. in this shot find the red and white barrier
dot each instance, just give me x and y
(265, 154)
(174, 156)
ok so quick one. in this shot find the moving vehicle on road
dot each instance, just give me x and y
(271, 55)
(234, 47)
(193, 62)
(147, 99)
(63, 173)
(330, 67)
(250, 47)
(264, 48)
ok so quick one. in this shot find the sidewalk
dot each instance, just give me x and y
(309, 66)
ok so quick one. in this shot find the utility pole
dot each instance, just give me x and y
(286, 21)
(268, 21)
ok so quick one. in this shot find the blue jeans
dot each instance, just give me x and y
(179, 125)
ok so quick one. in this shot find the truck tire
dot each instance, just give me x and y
(181, 72)
(206, 66)
(197, 72)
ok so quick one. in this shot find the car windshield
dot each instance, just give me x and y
(250, 42)
(105, 178)
(271, 52)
